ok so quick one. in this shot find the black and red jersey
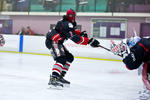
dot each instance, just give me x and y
(139, 53)
(66, 30)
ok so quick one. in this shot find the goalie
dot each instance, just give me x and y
(136, 52)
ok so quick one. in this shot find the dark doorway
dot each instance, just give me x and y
(145, 29)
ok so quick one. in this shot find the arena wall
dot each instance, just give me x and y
(41, 24)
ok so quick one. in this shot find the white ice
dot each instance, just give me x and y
(25, 77)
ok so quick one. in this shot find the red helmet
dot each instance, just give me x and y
(71, 15)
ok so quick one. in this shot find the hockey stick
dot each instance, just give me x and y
(104, 48)
(108, 49)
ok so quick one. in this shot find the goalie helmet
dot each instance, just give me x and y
(132, 41)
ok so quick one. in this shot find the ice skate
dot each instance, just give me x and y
(65, 82)
(55, 82)
(144, 95)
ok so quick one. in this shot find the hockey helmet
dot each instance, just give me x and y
(146, 75)
(71, 15)
(132, 41)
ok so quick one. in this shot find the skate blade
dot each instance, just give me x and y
(143, 98)
(55, 87)
(66, 85)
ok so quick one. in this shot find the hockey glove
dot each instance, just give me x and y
(93, 42)
(120, 49)
(84, 34)
(115, 48)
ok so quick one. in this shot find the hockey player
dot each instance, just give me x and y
(65, 29)
(2, 40)
(136, 53)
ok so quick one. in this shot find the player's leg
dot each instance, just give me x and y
(69, 59)
(58, 54)
(145, 93)
(146, 75)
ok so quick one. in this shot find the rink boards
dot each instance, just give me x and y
(36, 45)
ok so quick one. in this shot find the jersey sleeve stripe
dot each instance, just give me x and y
(146, 49)
(81, 40)
(56, 37)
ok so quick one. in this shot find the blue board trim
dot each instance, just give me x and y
(21, 44)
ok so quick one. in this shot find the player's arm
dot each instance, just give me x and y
(81, 39)
(83, 33)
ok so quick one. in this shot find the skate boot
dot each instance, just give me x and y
(144, 95)
(64, 81)
(55, 82)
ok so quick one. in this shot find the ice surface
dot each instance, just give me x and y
(25, 77)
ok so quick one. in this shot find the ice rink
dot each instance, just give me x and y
(25, 77)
